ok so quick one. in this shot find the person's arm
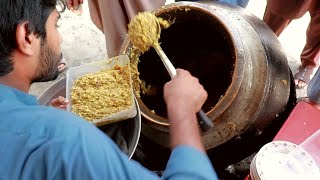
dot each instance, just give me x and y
(184, 96)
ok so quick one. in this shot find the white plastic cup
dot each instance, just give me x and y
(312, 146)
(304, 161)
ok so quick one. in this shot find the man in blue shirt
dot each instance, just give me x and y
(39, 142)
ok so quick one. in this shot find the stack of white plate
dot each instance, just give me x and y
(283, 160)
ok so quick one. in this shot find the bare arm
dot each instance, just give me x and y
(184, 96)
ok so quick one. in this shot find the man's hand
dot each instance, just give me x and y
(60, 103)
(73, 4)
(185, 91)
(184, 97)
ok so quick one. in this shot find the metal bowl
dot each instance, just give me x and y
(130, 129)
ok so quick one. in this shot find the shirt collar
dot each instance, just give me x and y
(11, 94)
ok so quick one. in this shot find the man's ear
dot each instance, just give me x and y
(25, 41)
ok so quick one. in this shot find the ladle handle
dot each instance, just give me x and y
(205, 122)
(166, 62)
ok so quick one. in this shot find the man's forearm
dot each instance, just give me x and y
(184, 128)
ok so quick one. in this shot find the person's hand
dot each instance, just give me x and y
(184, 91)
(73, 4)
(184, 97)
(60, 103)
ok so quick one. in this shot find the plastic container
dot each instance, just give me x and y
(280, 160)
(312, 146)
(76, 72)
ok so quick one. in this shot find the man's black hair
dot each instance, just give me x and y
(12, 14)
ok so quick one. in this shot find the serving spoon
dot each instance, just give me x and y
(144, 31)
(205, 122)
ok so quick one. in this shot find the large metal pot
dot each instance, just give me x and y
(129, 129)
(236, 57)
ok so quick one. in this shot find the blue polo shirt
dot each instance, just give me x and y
(39, 142)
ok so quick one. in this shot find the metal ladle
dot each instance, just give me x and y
(205, 122)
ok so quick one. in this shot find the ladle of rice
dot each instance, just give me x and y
(144, 31)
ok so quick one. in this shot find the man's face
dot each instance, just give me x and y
(50, 52)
